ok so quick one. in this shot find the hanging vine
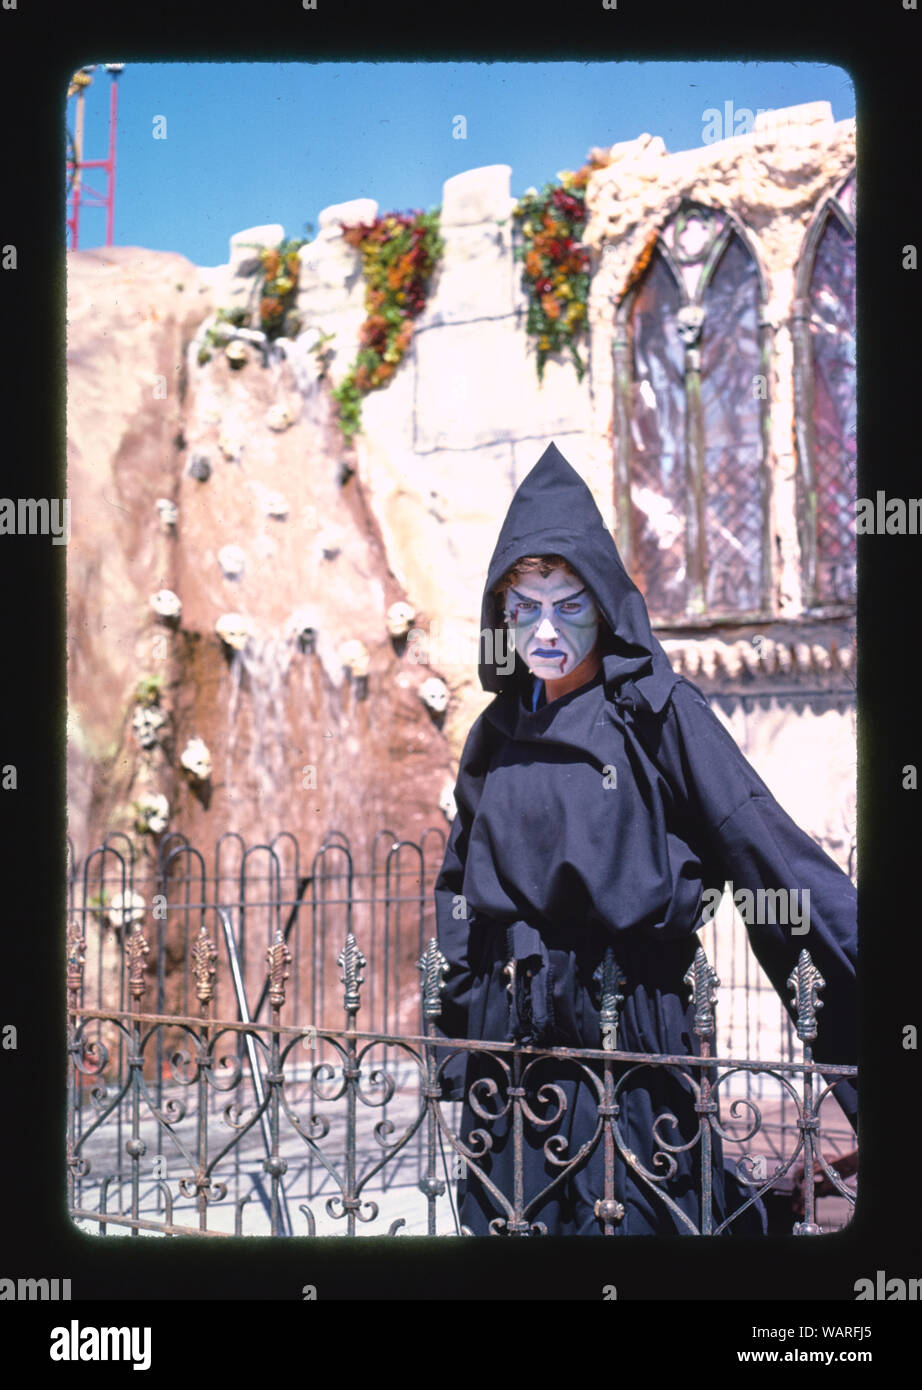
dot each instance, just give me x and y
(399, 253)
(555, 274)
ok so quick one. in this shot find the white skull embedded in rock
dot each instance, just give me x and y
(400, 618)
(147, 722)
(434, 693)
(231, 445)
(196, 759)
(302, 629)
(153, 813)
(355, 658)
(237, 354)
(447, 804)
(166, 604)
(276, 505)
(234, 629)
(279, 417)
(168, 512)
(126, 910)
(232, 561)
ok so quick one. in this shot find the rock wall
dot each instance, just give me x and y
(262, 526)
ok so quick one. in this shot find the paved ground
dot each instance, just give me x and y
(395, 1188)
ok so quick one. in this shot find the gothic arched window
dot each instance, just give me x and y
(825, 390)
(690, 423)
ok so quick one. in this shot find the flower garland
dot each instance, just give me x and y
(556, 264)
(399, 254)
(281, 266)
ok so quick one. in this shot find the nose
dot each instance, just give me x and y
(546, 630)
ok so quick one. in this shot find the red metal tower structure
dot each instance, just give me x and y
(79, 193)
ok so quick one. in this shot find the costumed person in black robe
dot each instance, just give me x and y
(599, 799)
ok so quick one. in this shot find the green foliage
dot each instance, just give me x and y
(272, 304)
(148, 690)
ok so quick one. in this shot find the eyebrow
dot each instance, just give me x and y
(565, 599)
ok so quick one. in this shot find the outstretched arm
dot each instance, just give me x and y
(741, 832)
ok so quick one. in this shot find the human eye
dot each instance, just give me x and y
(571, 605)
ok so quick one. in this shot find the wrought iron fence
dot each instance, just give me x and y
(200, 1118)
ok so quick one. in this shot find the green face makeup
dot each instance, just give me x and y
(554, 622)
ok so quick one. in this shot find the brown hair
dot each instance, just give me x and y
(533, 564)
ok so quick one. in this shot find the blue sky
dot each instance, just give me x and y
(254, 143)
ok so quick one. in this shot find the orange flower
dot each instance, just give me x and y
(533, 264)
(550, 306)
(270, 308)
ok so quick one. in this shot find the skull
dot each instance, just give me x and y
(126, 910)
(234, 630)
(232, 561)
(197, 759)
(302, 628)
(231, 446)
(355, 658)
(147, 722)
(399, 619)
(434, 693)
(153, 814)
(278, 417)
(237, 354)
(276, 505)
(168, 512)
(166, 604)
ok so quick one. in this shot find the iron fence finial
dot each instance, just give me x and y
(352, 964)
(702, 979)
(433, 967)
(805, 979)
(278, 958)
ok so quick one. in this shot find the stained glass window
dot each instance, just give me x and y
(830, 436)
(657, 425)
(730, 402)
(689, 441)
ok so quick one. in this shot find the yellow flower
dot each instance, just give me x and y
(544, 344)
(527, 228)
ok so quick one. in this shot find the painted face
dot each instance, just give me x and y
(554, 622)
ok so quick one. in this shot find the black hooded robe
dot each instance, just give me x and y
(600, 819)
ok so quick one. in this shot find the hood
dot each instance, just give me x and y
(554, 513)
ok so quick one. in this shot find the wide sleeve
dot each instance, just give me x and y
(742, 834)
